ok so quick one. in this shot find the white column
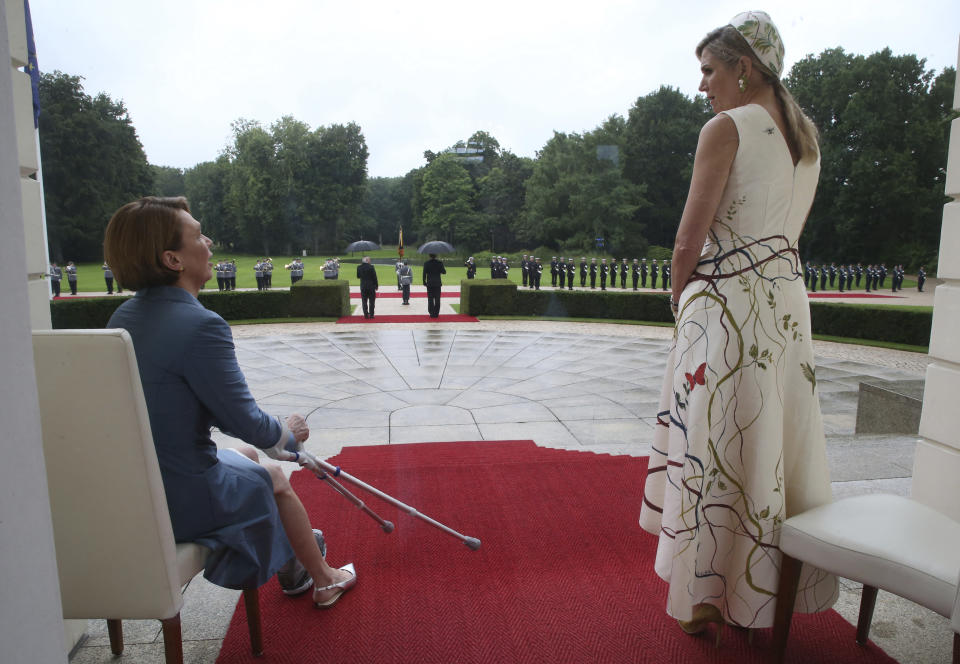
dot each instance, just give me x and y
(31, 624)
(937, 463)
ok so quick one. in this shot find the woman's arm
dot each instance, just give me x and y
(716, 149)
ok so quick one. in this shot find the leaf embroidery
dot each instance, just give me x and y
(810, 374)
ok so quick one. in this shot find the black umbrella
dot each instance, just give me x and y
(362, 245)
(436, 247)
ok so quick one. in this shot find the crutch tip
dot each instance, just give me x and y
(472, 543)
(387, 526)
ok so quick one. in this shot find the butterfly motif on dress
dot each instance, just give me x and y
(697, 377)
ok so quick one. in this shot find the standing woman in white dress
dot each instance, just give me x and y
(740, 444)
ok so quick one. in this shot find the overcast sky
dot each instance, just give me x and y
(423, 74)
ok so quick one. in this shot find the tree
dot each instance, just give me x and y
(168, 181)
(205, 187)
(659, 145)
(93, 163)
(883, 123)
(577, 194)
(448, 195)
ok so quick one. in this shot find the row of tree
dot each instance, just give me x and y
(883, 121)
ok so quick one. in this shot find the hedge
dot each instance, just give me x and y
(305, 299)
(498, 297)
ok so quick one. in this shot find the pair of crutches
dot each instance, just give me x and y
(328, 473)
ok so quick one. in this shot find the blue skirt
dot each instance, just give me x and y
(230, 509)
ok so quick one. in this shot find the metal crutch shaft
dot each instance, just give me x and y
(387, 526)
(472, 543)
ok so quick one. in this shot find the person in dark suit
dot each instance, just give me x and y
(432, 270)
(921, 279)
(245, 512)
(367, 274)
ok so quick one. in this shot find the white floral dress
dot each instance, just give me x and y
(739, 445)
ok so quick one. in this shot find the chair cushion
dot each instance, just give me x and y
(884, 541)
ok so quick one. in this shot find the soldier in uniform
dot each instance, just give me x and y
(537, 274)
(654, 271)
(665, 275)
(883, 274)
(858, 271)
(219, 270)
(613, 272)
(571, 272)
(635, 272)
(471, 268)
(562, 272)
(553, 271)
(258, 273)
(841, 277)
(524, 269)
(107, 277)
(921, 279)
(56, 274)
(868, 273)
(504, 267)
(72, 277)
(593, 273)
(604, 273)
(806, 275)
(583, 272)
(623, 273)
(643, 273)
(833, 273)
(823, 277)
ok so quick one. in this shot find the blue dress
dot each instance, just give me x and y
(191, 381)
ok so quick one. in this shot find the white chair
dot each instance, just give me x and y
(116, 554)
(898, 544)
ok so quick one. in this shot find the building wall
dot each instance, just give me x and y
(31, 626)
(937, 463)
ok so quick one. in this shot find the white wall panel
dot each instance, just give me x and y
(947, 266)
(23, 118)
(17, 33)
(952, 187)
(940, 419)
(946, 325)
(935, 472)
(36, 252)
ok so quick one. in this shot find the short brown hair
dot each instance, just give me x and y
(137, 236)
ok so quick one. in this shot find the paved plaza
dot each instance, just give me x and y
(580, 386)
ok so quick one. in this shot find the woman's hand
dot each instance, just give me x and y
(298, 426)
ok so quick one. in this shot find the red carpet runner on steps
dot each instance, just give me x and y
(444, 318)
(564, 573)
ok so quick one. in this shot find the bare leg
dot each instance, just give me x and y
(296, 524)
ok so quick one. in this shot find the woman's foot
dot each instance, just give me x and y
(341, 580)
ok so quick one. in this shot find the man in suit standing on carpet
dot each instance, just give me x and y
(432, 270)
(367, 274)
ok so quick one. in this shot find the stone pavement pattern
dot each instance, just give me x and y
(567, 385)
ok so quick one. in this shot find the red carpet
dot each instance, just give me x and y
(564, 573)
(398, 294)
(850, 295)
(444, 318)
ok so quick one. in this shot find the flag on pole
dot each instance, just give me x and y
(400, 246)
(32, 69)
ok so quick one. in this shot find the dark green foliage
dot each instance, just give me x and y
(884, 124)
(906, 326)
(488, 296)
(307, 299)
(92, 164)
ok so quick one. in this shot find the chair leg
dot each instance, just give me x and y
(115, 630)
(956, 648)
(172, 640)
(251, 601)
(786, 598)
(868, 600)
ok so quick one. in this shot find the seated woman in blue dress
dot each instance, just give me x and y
(244, 511)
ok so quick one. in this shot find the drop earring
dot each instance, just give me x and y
(742, 84)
